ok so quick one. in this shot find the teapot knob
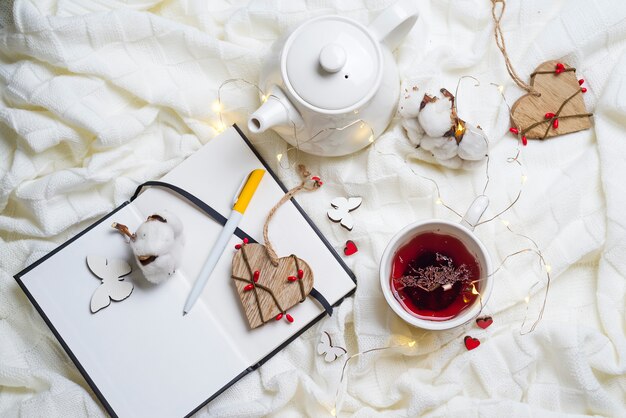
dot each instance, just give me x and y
(332, 58)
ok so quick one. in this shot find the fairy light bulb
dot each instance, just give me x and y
(505, 222)
(524, 178)
(279, 157)
(548, 268)
(411, 343)
(333, 412)
(263, 98)
(439, 201)
(459, 130)
(527, 299)
(371, 139)
(217, 106)
(474, 291)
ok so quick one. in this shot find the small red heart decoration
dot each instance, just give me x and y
(350, 248)
(484, 321)
(471, 343)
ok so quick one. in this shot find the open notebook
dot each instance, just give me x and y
(141, 356)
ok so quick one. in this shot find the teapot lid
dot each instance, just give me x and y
(332, 64)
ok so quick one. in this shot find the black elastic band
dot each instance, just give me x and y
(221, 219)
(322, 301)
(218, 217)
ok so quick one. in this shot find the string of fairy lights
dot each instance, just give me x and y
(218, 108)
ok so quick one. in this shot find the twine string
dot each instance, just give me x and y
(307, 184)
(297, 264)
(251, 273)
(499, 36)
(497, 18)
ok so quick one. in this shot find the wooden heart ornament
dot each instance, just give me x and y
(555, 107)
(267, 290)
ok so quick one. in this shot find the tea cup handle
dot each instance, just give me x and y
(475, 212)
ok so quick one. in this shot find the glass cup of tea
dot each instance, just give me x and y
(436, 274)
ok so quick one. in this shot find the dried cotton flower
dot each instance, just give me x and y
(157, 245)
(441, 137)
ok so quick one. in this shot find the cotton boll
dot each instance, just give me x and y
(413, 129)
(474, 145)
(413, 124)
(429, 143)
(435, 117)
(173, 221)
(157, 245)
(164, 266)
(153, 238)
(446, 149)
(410, 100)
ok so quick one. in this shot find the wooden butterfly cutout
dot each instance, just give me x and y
(113, 287)
(341, 210)
(326, 348)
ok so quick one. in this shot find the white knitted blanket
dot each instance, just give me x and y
(99, 96)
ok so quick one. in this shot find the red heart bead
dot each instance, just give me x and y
(257, 273)
(248, 287)
(484, 321)
(555, 123)
(549, 115)
(524, 141)
(471, 343)
(292, 278)
(300, 273)
(289, 318)
(350, 248)
(279, 316)
(514, 131)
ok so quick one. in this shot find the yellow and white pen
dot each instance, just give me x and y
(240, 204)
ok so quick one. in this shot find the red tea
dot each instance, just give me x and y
(432, 276)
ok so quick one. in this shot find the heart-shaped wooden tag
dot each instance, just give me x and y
(560, 96)
(268, 291)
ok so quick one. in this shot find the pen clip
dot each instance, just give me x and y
(238, 193)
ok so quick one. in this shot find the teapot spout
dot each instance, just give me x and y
(277, 110)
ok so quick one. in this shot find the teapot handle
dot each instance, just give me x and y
(392, 26)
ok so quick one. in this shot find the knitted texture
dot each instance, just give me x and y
(98, 97)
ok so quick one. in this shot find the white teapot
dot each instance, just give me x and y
(331, 86)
